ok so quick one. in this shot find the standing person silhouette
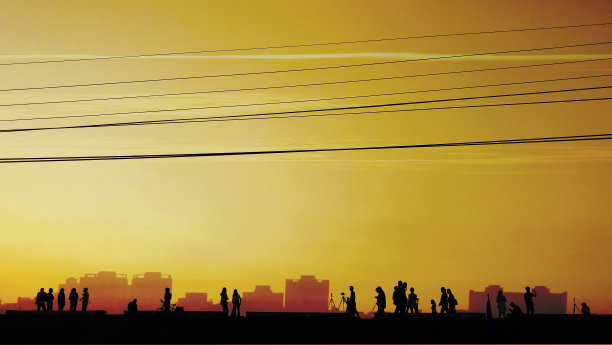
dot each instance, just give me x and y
(413, 302)
(501, 304)
(84, 299)
(50, 299)
(396, 297)
(167, 299)
(381, 300)
(224, 300)
(73, 298)
(351, 304)
(61, 300)
(405, 297)
(452, 302)
(236, 302)
(529, 300)
(433, 307)
(443, 301)
(41, 300)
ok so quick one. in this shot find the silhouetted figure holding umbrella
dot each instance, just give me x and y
(224, 300)
(73, 298)
(236, 302)
(61, 300)
(41, 300)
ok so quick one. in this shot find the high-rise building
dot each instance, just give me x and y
(262, 299)
(149, 289)
(306, 294)
(546, 302)
(197, 301)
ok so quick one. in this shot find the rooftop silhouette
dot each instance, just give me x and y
(306, 294)
(546, 302)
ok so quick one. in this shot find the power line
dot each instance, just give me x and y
(363, 148)
(313, 100)
(301, 69)
(324, 83)
(258, 116)
(303, 45)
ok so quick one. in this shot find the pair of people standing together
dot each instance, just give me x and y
(236, 302)
(447, 301)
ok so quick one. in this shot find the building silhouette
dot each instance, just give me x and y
(149, 288)
(306, 294)
(197, 301)
(108, 290)
(262, 299)
(546, 302)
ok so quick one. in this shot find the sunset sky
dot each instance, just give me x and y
(460, 217)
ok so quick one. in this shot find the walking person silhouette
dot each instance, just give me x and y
(224, 300)
(452, 302)
(413, 302)
(381, 300)
(236, 302)
(84, 299)
(61, 300)
(529, 300)
(501, 304)
(41, 300)
(50, 299)
(443, 301)
(73, 298)
(167, 299)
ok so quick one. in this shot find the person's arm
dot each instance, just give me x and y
(534, 293)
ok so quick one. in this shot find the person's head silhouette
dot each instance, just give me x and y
(42, 290)
(443, 290)
(411, 289)
(499, 293)
(85, 290)
(62, 290)
(448, 291)
(351, 287)
(235, 292)
(167, 289)
(433, 302)
(378, 289)
(50, 290)
(224, 291)
(399, 283)
(135, 300)
(73, 290)
(512, 304)
(527, 288)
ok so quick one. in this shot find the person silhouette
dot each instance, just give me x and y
(381, 300)
(404, 297)
(433, 307)
(515, 310)
(529, 300)
(236, 302)
(396, 297)
(41, 300)
(84, 299)
(167, 299)
(61, 300)
(73, 298)
(224, 300)
(585, 309)
(413, 302)
(50, 299)
(351, 304)
(443, 301)
(132, 306)
(452, 302)
(501, 304)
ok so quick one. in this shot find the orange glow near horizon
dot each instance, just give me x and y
(461, 217)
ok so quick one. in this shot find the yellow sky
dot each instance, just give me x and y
(460, 217)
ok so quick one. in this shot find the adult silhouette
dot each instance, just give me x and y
(50, 299)
(404, 296)
(452, 302)
(84, 299)
(585, 309)
(443, 301)
(167, 299)
(515, 310)
(413, 302)
(501, 304)
(381, 300)
(73, 298)
(223, 302)
(133, 306)
(529, 300)
(396, 297)
(236, 302)
(61, 300)
(351, 304)
(433, 307)
(41, 300)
